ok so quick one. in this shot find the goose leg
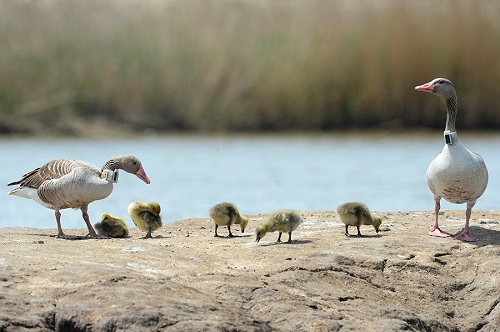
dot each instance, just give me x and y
(464, 234)
(92, 232)
(436, 231)
(60, 233)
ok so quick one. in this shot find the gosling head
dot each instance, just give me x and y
(260, 232)
(243, 223)
(377, 221)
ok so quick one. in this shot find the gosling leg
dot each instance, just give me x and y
(359, 232)
(279, 238)
(289, 237)
(346, 230)
(216, 226)
(148, 235)
(229, 229)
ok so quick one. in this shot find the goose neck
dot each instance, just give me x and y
(111, 165)
(451, 115)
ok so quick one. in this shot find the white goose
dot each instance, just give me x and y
(62, 184)
(456, 174)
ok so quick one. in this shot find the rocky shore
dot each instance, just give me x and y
(184, 279)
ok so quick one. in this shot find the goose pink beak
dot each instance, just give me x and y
(141, 174)
(427, 87)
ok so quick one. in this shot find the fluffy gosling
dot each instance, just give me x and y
(357, 214)
(146, 216)
(111, 226)
(227, 214)
(283, 221)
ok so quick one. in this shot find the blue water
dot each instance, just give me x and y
(259, 173)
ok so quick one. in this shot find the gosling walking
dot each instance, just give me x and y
(227, 214)
(357, 214)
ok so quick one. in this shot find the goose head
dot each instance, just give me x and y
(132, 164)
(440, 87)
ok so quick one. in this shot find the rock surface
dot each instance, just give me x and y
(184, 279)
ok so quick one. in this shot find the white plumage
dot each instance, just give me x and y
(456, 174)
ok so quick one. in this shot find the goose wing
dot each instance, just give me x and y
(52, 170)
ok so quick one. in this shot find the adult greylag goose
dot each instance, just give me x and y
(456, 174)
(62, 184)
(227, 214)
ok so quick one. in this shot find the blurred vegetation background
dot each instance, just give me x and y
(68, 66)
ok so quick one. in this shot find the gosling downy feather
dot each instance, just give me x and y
(357, 214)
(111, 226)
(227, 214)
(282, 221)
(145, 216)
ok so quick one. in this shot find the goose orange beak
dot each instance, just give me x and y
(141, 174)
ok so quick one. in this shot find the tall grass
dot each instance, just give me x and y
(245, 65)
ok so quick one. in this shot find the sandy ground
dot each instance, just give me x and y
(184, 279)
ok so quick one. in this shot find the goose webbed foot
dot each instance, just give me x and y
(97, 236)
(465, 236)
(70, 237)
(436, 231)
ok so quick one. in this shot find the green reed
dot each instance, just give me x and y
(245, 65)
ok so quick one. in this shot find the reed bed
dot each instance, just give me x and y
(245, 65)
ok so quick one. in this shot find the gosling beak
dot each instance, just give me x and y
(257, 239)
(427, 87)
(141, 174)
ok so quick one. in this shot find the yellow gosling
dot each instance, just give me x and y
(111, 226)
(146, 216)
(283, 221)
(357, 214)
(227, 214)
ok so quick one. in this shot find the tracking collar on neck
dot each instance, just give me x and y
(110, 175)
(449, 137)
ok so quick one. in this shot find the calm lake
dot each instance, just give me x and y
(259, 173)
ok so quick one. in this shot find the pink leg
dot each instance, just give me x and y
(436, 231)
(92, 232)
(464, 235)
(60, 232)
